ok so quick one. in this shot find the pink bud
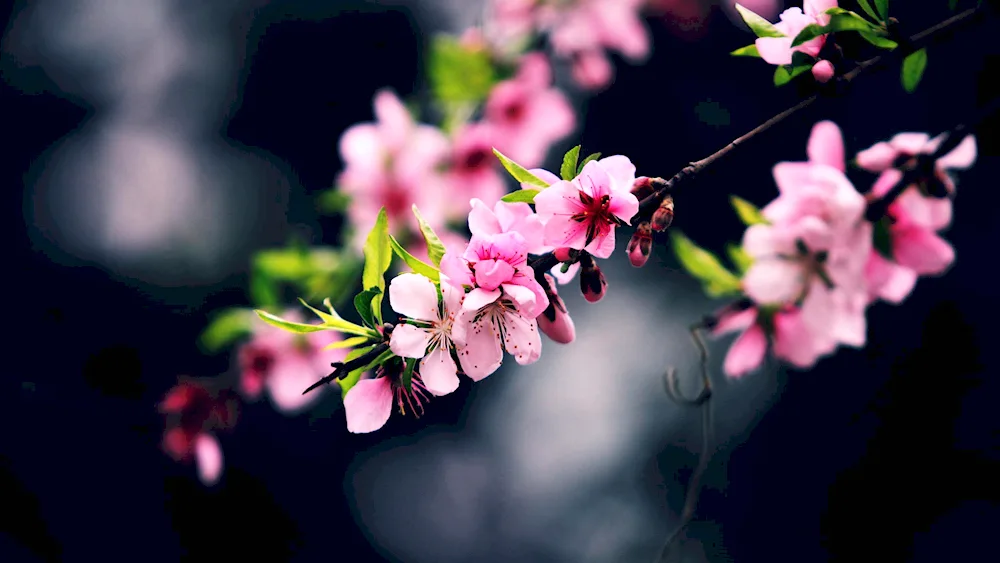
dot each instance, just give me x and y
(823, 71)
(592, 282)
(555, 321)
(566, 254)
(664, 214)
(642, 187)
(640, 245)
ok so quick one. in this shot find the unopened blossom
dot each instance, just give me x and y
(555, 321)
(368, 405)
(583, 213)
(431, 338)
(194, 414)
(472, 171)
(641, 244)
(394, 163)
(823, 71)
(500, 309)
(778, 50)
(785, 331)
(284, 363)
(527, 114)
(593, 285)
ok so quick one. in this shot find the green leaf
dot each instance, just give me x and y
(520, 196)
(407, 378)
(417, 265)
(226, 327)
(748, 51)
(435, 248)
(883, 8)
(717, 281)
(739, 258)
(878, 40)
(348, 343)
(458, 73)
(290, 326)
(882, 237)
(352, 378)
(913, 69)
(784, 74)
(570, 160)
(760, 26)
(748, 212)
(378, 256)
(868, 9)
(334, 321)
(845, 21)
(590, 158)
(333, 202)
(519, 172)
(363, 303)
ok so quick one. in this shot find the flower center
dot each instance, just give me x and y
(514, 111)
(475, 160)
(415, 397)
(597, 215)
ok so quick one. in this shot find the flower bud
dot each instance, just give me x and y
(642, 187)
(592, 282)
(640, 245)
(555, 321)
(664, 214)
(823, 71)
(566, 254)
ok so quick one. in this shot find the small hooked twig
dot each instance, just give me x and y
(673, 384)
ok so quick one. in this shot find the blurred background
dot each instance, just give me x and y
(152, 146)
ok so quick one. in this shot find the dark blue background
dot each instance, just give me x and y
(888, 453)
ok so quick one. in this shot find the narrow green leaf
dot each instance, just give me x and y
(457, 73)
(868, 10)
(883, 8)
(226, 327)
(263, 290)
(748, 212)
(523, 195)
(378, 256)
(352, 378)
(332, 202)
(784, 74)
(435, 248)
(739, 258)
(717, 281)
(334, 321)
(878, 40)
(846, 21)
(417, 265)
(590, 158)
(913, 69)
(407, 378)
(748, 51)
(348, 343)
(519, 172)
(570, 160)
(298, 328)
(758, 25)
(363, 302)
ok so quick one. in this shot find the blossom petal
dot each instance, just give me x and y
(409, 341)
(774, 281)
(921, 250)
(562, 231)
(961, 157)
(910, 143)
(482, 221)
(208, 455)
(481, 354)
(289, 377)
(414, 296)
(453, 297)
(826, 145)
(439, 372)
(361, 148)
(490, 274)
(368, 405)
(735, 321)
(561, 198)
(395, 122)
(455, 271)
(746, 353)
(604, 245)
(793, 342)
(888, 281)
(522, 339)
(775, 50)
(479, 298)
(878, 157)
(621, 170)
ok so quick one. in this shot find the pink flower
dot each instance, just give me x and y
(193, 414)
(368, 405)
(555, 321)
(778, 50)
(284, 364)
(527, 114)
(394, 163)
(583, 213)
(430, 337)
(505, 218)
(473, 172)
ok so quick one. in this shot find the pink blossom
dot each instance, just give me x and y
(583, 213)
(431, 336)
(393, 163)
(194, 413)
(823, 71)
(368, 405)
(592, 69)
(284, 364)
(473, 172)
(507, 217)
(527, 114)
(555, 321)
(778, 50)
